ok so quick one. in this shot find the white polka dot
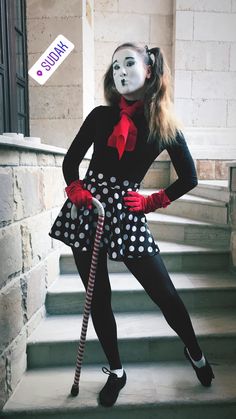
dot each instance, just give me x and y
(125, 236)
(119, 241)
(135, 219)
(58, 223)
(105, 190)
(89, 187)
(90, 173)
(143, 220)
(68, 215)
(150, 239)
(132, 238)
(113, 179)
(114, 254)
(93, 190)
(69, 205)
(103, 204)
(117, 230)
(57, 233)
(100, 176)
(128, 227)
(107, 227)
(121, 251)
(72, 236)
(112, 244)
(86, 227)
(81, 235)
(141, 239)
(134, 228)
(141, 248)
(86, 212)
(115, 220)
(126, 182)
(130, 217)
(110, 200)
(116, 196)
(84, 249)
(72, 226)
(150, 249)
(119, 206)
(60, 214)
(131, 248)
(66, 234)
(67, 224)
(93, 180)
(98, 196)
(108, 214)
(105, 240)
(76, 244)
(142, 229)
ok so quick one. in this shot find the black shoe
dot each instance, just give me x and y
(204, 374)
(109, 393)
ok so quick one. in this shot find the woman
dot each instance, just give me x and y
(128, 134)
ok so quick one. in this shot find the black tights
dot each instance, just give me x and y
(154, 278)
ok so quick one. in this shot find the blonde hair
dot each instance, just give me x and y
(158, 106)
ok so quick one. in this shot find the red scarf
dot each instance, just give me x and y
(124, 134)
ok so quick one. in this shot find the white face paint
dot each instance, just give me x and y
(129, 73)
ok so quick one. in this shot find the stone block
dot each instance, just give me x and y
(6, 194)
(34, 284)
(233, 248)
(214, 27)
(161, 29)
(3, 385)
(9, 156)
(135, 27)
(46, 159)
(102, 54)
(16, 359)
(162, 7)
(206, 169)
(56, 102)
(41, 33)
(44, 8)
(233, 179)
(28, 158)
(214, 85)
(204, 5)
(221, 169)
(106, 5)
(56, 132)
(184, 25)
(231, 122)
(184, 110)
(59, 160)
(232, 66)
(54, 184)
(10, 253)
(52, 267)
(195, 55)
(28, 192)
(208, 113)
(183, 82)
(234, 6)
(11, 313)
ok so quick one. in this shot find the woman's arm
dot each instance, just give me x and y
(184, 166)
(79, 147)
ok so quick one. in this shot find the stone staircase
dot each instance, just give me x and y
(193, 237)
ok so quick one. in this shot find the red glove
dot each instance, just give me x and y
(78, 195)
(137, 202)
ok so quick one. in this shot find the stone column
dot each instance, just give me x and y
(232, 212)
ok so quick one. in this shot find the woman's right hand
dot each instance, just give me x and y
(78, 195)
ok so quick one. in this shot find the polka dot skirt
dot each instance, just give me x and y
(125, 234)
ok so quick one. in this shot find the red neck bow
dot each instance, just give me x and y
(124, 134)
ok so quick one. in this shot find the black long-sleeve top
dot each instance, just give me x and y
(133, 165)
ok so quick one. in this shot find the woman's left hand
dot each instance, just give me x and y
(135, 201)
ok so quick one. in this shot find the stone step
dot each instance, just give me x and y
(185, 230)
(198, 291)
(177, 258)
(196, 208)
(153, 390)
(142, 337)
(212, 189)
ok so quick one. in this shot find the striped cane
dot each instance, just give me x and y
(89, 294)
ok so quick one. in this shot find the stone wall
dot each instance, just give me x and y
(58, 107)
(232, 212)
(32, 191)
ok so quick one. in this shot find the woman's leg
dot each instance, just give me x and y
(153, 276)
(101, 310)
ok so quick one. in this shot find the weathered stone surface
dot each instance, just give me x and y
(59, 160)
(214, 85)
(54, 185)
(45, 159)
(224, 22)
(36, 289)
(206, 169)
(221, 170)
(204, 5)
(16, 360)
(161, 29)
(43, 8)
(11, 313)
(231, 113)
(232, 212)
(28, 192)
(36, 242)
(52, 267)
(162, 7)
(28, 158)
(3, 386)
(10, 253)
(6, 194)
(233, 179)
(184, 25)
(233, 248)
(9, 156)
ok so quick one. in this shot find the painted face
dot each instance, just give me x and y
(129, 73)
